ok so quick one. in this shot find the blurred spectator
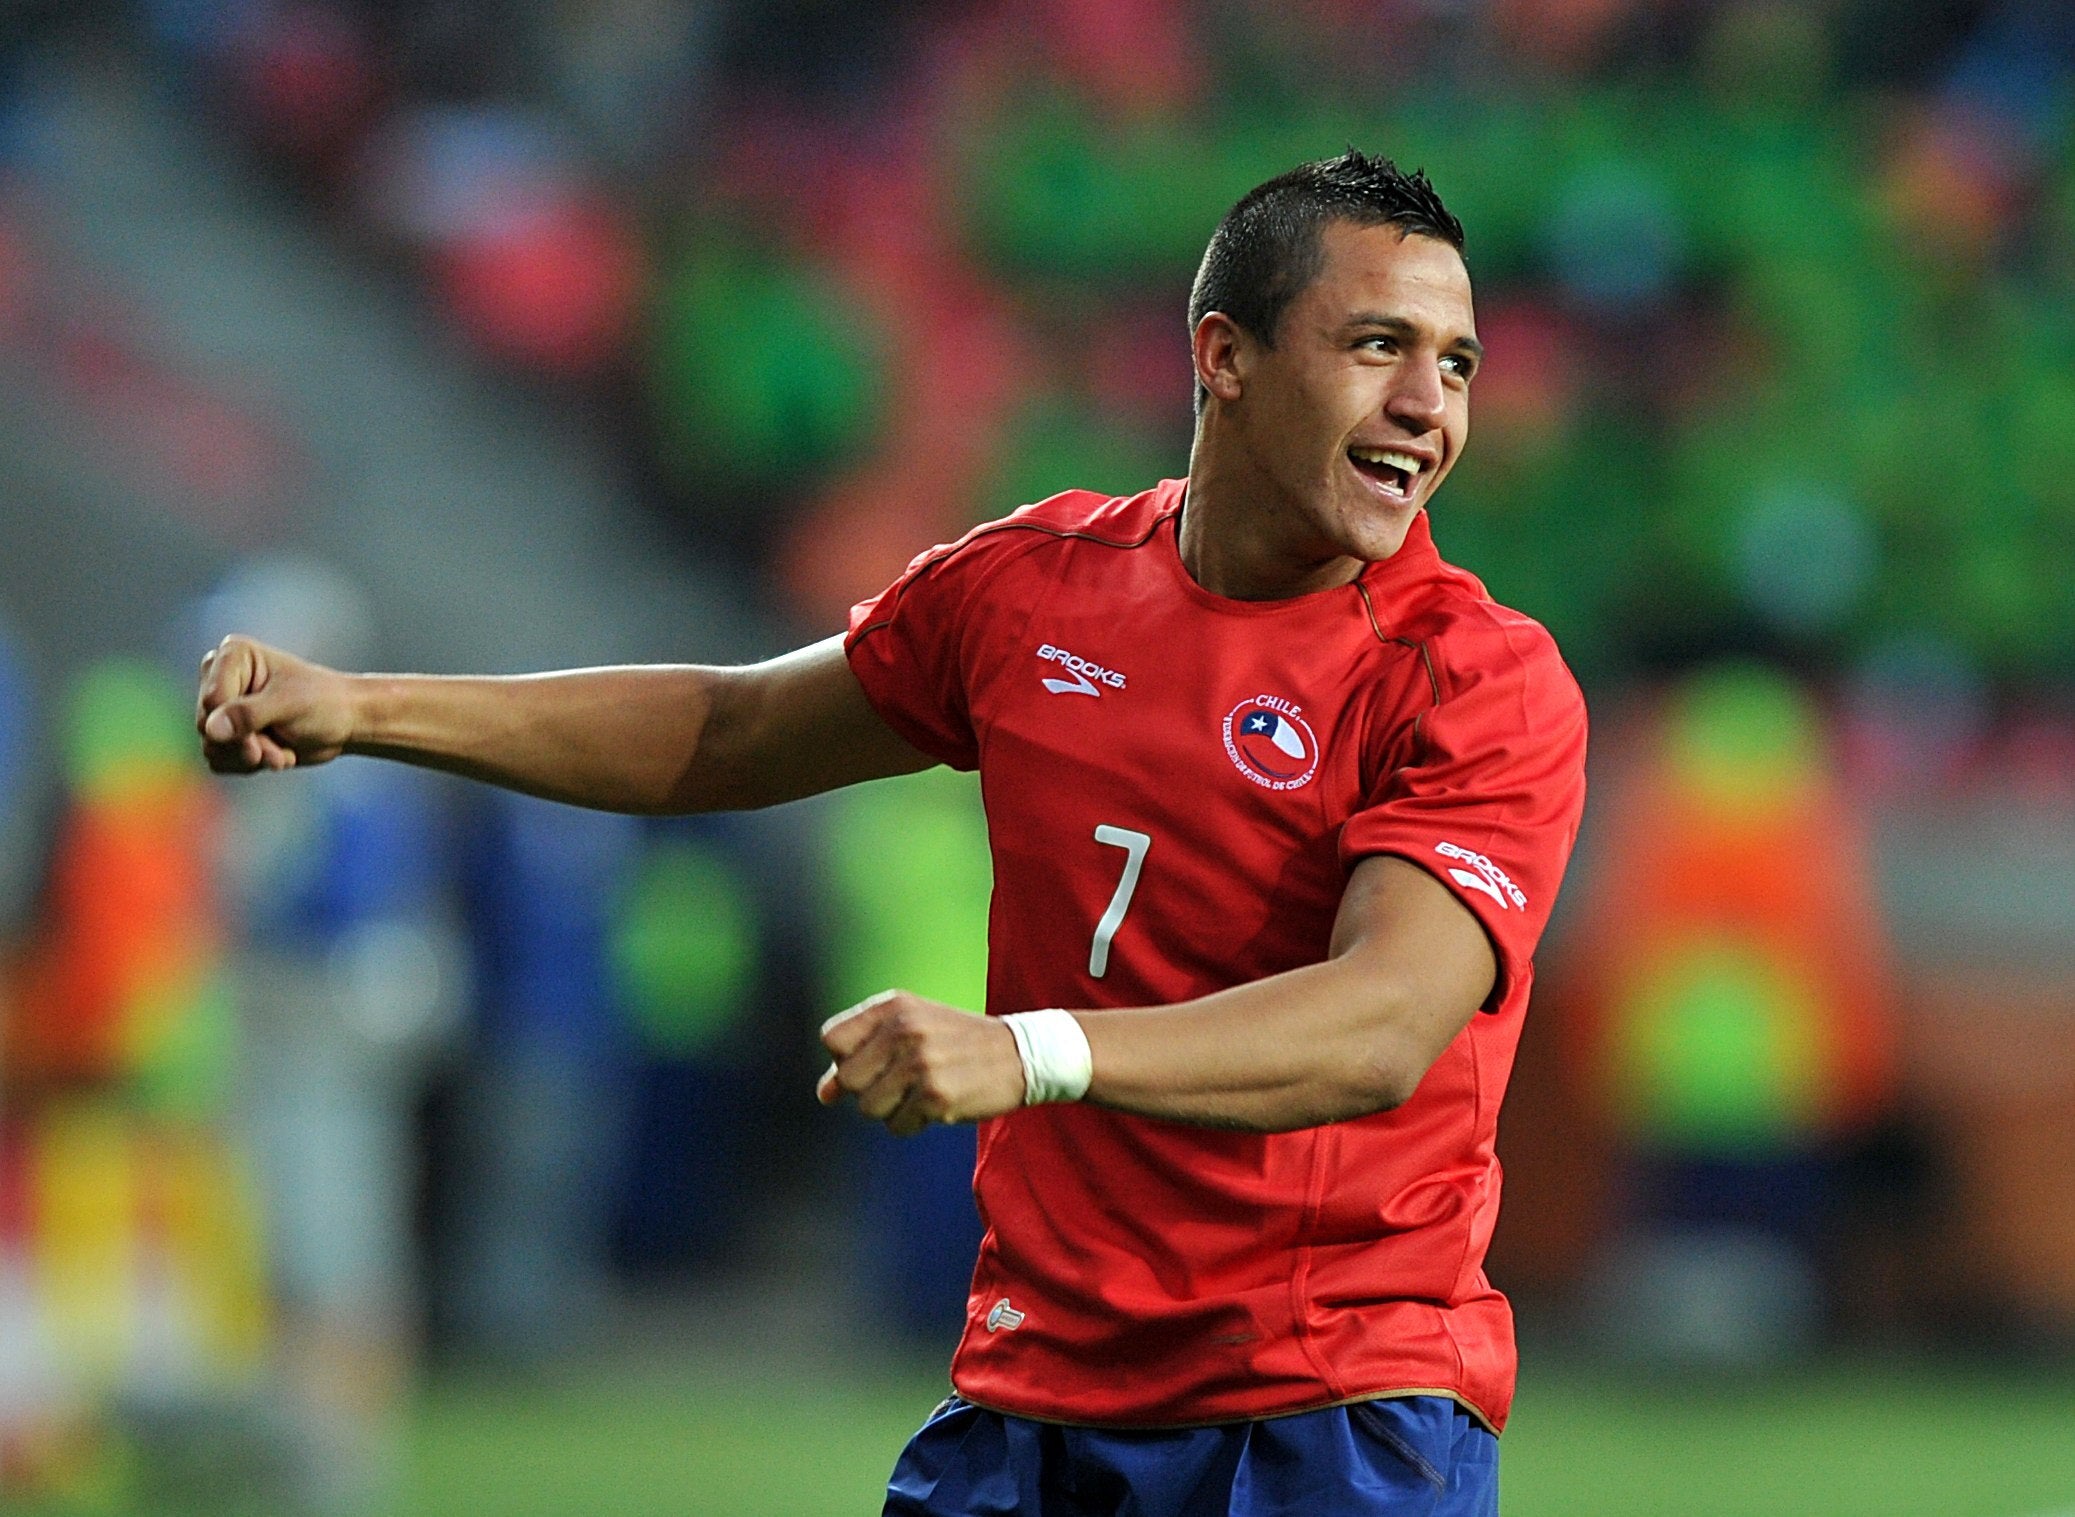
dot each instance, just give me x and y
(125, 987)
(911, 877)
(539, 1118)
(1740, 1014)
(687, 970)
(1777, 303)
(351, 986)
(763, 375)
(633, 72)
(16, 803)
(528, 254)
(131, 1279)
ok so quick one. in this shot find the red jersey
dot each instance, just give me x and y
(1176, 785)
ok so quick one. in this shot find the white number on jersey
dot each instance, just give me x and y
(1134, 845)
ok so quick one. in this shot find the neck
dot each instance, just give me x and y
(1241, 538)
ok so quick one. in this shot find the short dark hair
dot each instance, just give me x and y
(1271, 244)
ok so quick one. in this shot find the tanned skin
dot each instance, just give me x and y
(1376, 352)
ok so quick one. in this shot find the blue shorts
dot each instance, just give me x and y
(1394, 1458)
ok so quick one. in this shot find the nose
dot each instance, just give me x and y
(1416, 401)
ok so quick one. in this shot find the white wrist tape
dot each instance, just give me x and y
(1056, 1062)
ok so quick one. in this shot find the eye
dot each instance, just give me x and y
(1462, 365)
(1381, 343)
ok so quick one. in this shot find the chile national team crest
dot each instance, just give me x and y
(1270, 743)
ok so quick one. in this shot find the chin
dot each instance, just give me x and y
(1380, 537)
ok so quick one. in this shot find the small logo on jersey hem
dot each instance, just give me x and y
(1004, 1316)
(1489, 878)
(1269, 742)
(1088, 676)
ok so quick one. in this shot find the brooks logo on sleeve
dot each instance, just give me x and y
(1488, 877)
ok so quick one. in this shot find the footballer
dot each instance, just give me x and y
(1279, 803)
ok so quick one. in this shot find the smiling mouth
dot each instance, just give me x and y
(1396, 472)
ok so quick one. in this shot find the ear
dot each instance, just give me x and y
(1224, 352)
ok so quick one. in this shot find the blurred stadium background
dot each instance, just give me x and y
(369, 1143)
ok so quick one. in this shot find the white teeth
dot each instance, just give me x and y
(1391, 457)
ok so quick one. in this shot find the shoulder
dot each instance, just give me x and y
(1473, 643)
(1116, 521)
(1044, 528)
(949, 584)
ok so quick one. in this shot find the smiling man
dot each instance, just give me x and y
(1279, 803)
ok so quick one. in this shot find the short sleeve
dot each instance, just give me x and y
(903, 646)
(1488, 793)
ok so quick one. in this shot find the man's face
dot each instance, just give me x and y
(1355, 416)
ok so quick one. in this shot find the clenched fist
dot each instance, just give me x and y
(911, 1062)
(260, 708)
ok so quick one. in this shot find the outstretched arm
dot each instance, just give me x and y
(656, 739)
(1408, 968)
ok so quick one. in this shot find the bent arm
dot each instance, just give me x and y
(657, 739)
(1409, 966)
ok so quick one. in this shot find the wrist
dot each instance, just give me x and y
(1057, 1063)
(363, 699)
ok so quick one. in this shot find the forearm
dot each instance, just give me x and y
(1408, 967)
(647, 739)
(1313, 1045)
(657, 738)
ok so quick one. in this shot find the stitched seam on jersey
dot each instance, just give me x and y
(1462, 1369)
(1036, 602)
(986, 1265)
(1489, 842)
(1419, 722)
(1369, 605)
(951, 550)
(1426, 657)
(1420, 725)
(1393, 1393)
(1300, 1277)
(1418, 645)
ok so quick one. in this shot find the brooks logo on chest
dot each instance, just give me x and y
(1087, 676)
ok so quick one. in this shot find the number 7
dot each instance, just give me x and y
(1134, 845)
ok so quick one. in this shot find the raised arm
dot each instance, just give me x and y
(1408, 968)
(656, 739)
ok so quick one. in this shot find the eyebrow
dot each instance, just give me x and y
(1398, 326)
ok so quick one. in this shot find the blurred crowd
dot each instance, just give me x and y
(1777, 434)
(1780, 291)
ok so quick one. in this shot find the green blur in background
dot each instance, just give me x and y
(1778, 301)
(1870, 1440)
